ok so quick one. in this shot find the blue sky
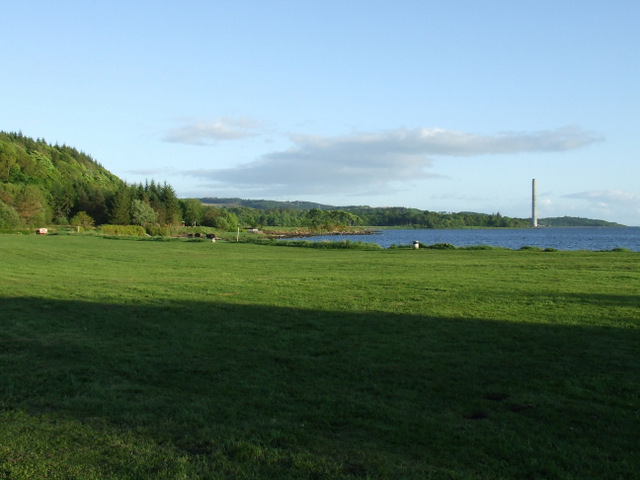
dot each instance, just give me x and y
(443, 106)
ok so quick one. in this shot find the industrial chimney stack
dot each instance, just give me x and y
(534, 206)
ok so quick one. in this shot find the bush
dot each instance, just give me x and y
(130, 230)
(441, 246)
(158, 231)
(9, 218)
(82, 219)
(344, 244)
(531, 248)
(481, 247)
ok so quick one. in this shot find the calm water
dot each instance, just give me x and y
(576, 238)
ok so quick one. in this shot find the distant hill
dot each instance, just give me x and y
(264, 204)
(271, 213)
(575, 222)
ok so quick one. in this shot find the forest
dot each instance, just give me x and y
(44, 184)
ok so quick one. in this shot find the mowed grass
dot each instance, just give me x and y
(124, 359)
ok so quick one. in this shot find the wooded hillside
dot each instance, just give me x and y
(41, 183)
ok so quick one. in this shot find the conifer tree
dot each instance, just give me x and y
(121, 209)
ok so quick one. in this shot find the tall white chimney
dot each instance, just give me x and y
(534, 206)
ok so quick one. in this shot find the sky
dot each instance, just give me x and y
(443, 106)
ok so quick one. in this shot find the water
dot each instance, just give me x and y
(574, 238)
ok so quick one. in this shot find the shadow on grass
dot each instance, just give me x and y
(607, 299)
(369, 389)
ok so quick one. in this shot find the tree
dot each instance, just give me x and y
(342, 218)
(9, 218)
(232, 221)
(142, 213)
(91, 200)
(192, 209)
(209, 216)
(8, 161)
(315, 218)
(63, 197)
(82, 219)
(121, 209)
(31, 205)
(172, 212)
(227, 222)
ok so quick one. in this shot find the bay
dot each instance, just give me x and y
(560, 238)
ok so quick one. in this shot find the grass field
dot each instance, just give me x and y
(123, 359)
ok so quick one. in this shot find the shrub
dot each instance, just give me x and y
(158, 231)
(344, 244)
(441, 246)
(481, 247)
(82, 219)
(531, 248)
(130, 230)
(9, 218)
(395, 246)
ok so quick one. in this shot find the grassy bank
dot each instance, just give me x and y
(127, 359)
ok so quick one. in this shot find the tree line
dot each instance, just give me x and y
(325, 217)
(43, 184)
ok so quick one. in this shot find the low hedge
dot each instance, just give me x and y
(128, 230)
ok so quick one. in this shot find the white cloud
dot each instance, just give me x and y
(198, 132)
(616, 204)
(146, 171)
(607, 196)
(454, 196)
(362, 162)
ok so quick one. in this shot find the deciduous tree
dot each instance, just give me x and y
(142, 213)
(82, 219)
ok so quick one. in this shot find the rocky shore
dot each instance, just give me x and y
(307, 233)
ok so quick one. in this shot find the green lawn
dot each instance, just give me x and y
(123, 359)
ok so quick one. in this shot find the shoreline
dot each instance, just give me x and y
(306, 233)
